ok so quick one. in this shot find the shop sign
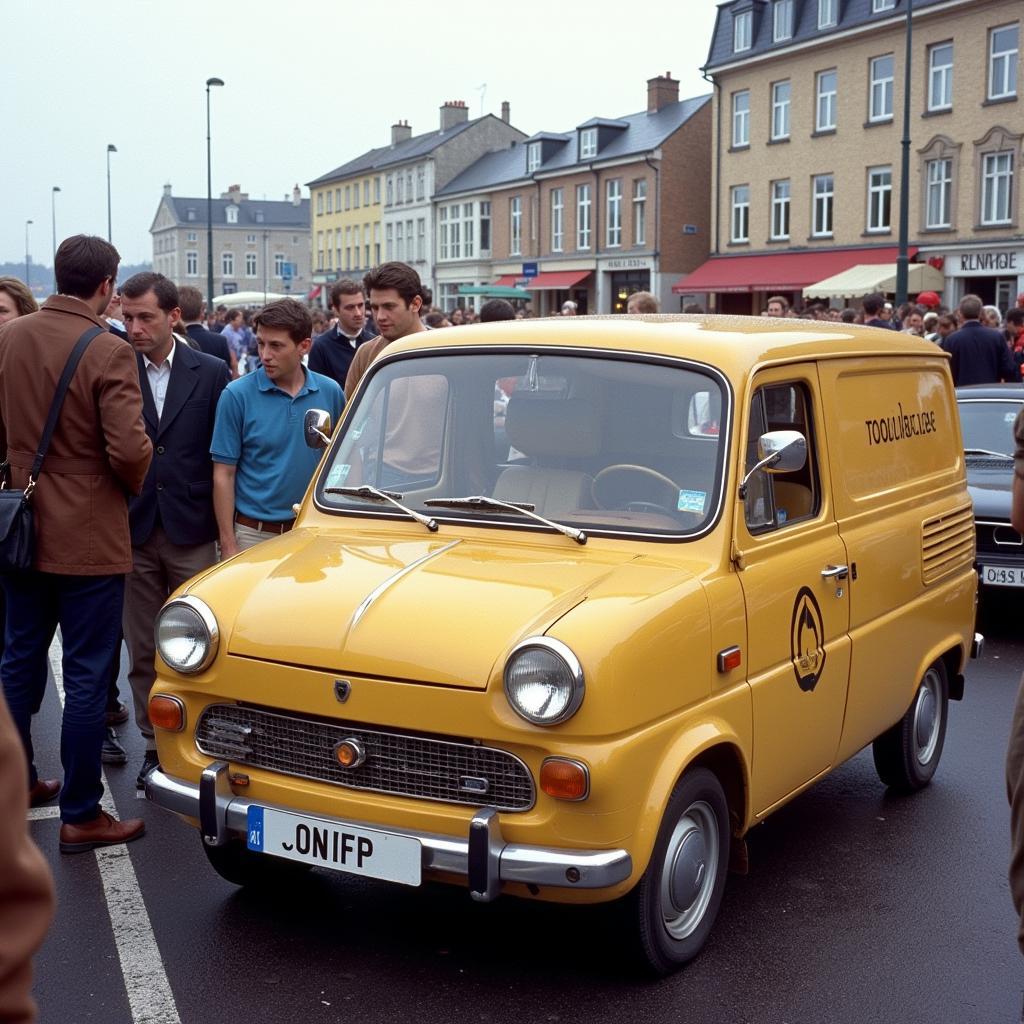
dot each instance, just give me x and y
(627, 263)
(988, 262)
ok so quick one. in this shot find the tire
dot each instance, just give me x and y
(907, 755)
(237, 864)
(675, 903)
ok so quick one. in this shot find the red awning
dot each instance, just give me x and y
(778, 272)
(314, 292)
(555, 280)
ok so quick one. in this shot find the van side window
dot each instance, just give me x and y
(776, 499)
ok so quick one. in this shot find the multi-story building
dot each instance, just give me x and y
(808, 113)
(612, 207)
(259, 245)
(379, 206)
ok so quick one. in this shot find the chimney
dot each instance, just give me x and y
(661, 91)
(234, 194)
(167, 189)
(400, 131)
(506, 112)
(453, 112)
(296, 196)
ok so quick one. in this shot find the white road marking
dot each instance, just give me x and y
(41, 813)
(149, 991)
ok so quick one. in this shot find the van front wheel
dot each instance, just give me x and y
(676, 901)
(907, 755)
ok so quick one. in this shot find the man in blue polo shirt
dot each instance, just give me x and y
(261, 465)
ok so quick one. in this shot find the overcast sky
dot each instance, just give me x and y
(309, 85)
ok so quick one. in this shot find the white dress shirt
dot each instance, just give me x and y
(159, 376)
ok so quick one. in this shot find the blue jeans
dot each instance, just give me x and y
(88, 611)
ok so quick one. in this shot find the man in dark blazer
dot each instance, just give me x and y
(173, 528)
(99, 454)
(980, 354)
(334, 349)
(210, 342)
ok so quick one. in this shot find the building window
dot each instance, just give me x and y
(940, 193)
(389, 191)
(190, 214)
(640, 211)
(827, 13)
(319, 204)
(741, 119)
(251, 239)
(613, 215)
(232, 213)
(940, 76)
(780, 210)
(557, 219)
(532, 157)
(366, 192)
(582, 216)
(442, 234)
(740, 219)
(881, 89)
(190, 237)
(997, 188)
(825, 119)
(227, 264)
(1003, 44)
(588, 143)
(400, 241)
(250, 264)
(337, 252)
(376, 241)
(515, 212)
(330, 204)
(782, 20)
(877, 6)
(824, 196)
(278, 264)
(355, 196)
(329, 249)
(742, 31)
(485, 227)
(421, 182)
(376, 190)
(408, 189)
(780, 110)
(400, 190)
(191, 263)
(421, 239)
(879, 199)
(389, 242)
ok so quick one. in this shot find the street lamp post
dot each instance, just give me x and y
(209, 198)
(111, 148)
(28, 280)
(902, 260)
(53, 223)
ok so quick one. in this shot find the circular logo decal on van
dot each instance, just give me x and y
(807, 640)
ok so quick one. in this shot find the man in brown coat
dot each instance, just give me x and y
(98, 456)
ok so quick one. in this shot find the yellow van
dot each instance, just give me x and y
(572, 605)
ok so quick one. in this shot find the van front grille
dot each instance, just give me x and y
(414, 766)
(947, 544)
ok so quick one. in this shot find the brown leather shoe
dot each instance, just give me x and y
(103, 830)
(43, 792)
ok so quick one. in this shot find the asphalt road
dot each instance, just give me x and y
(859, 907)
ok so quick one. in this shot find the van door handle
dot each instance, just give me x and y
(835, 572)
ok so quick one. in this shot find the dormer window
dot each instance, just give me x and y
(532, 157)
(259, 216)
(232, 214)
(190, 214)
(782, 20)
(828, 15)
(877, 6)
(588, 143)
(742, 30)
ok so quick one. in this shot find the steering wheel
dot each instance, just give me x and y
(604, 485)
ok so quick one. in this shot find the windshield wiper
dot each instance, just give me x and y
(376, 494)
(479, 501)
(986, 451)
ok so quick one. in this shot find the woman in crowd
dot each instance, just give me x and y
(15, 299)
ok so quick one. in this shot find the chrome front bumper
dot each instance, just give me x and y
(483, 858)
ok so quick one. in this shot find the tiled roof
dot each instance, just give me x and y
(640, 133)
(276, 213)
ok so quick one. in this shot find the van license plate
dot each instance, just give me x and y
(998, 576)
(335, 844)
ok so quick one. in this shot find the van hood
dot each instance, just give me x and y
(428, 610)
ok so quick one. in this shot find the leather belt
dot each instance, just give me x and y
(262, 525)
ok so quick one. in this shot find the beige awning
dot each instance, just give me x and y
(865, 278)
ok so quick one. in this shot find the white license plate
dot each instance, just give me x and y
(998, 576)
(335, 844)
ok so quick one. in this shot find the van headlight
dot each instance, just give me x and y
(544, 681)
(187, 635)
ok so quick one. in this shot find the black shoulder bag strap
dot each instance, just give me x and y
(58, 400)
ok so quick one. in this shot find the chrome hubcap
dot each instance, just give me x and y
(926, 718)
(690, 870)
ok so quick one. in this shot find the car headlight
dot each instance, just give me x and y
(544, 681)
(186, 635)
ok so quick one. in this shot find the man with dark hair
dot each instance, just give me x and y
(778, 305)
(874, 305)
(979, 354)
(496, 309)
(190, 301)
(395, 300)
(233, 333)
(333, 351)
(261, 465)
(99, 453)
(173, 528)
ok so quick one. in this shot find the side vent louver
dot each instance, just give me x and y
(947, 544)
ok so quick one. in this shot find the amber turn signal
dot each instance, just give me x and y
(564, 779)
(167, 712)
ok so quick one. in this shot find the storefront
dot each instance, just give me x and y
(618, 278)
(994, 272)
(550, 288)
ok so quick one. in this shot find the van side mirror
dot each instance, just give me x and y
(778, 451)
(316, 428)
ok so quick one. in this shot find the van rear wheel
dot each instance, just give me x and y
(907, 755)
(674, 906)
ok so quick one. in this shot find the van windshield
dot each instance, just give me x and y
(592, 441)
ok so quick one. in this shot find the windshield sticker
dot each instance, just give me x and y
(901, 426)
(338, 475)
(1009, 417)
(692, 501)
